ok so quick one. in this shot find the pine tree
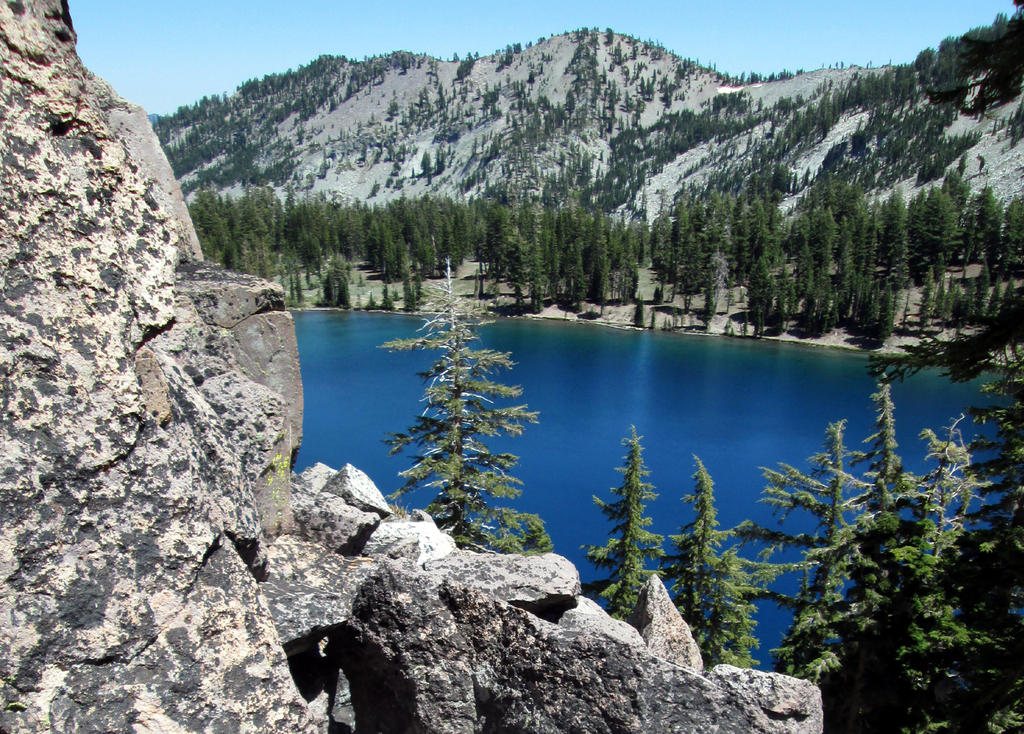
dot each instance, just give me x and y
(631, 545)
(713, 588)
(987, 574)
(408, 295)
(855, 690)
(827, 495)
(638, 312)
(454, 461)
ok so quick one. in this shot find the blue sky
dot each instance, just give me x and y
(165, 54)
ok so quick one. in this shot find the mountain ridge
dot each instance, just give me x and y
(616, 124)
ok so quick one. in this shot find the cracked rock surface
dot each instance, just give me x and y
(143, 464)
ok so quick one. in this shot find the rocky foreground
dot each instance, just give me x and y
(161, 567)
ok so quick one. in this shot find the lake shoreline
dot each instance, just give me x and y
(838, 339)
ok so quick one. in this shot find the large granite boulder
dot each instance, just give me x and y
(546, 585)
(422, 653)
(662, 626)
(139, 459)
(418, 540)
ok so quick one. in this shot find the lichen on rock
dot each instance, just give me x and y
(134, 449)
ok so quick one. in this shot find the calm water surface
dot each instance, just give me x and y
(737, 404)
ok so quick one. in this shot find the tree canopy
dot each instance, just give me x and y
(453, 458)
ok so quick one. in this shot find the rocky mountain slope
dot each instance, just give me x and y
(614, 123)
(161, 568)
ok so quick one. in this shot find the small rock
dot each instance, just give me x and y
(663, 628)
(327, 519)
(420, 541)
(314, 477)
(588, 617)
(356, 488)
(342, 714)
(780, 697)
(546, 585)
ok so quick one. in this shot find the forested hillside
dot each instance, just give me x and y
(590, 118)
(947, 259)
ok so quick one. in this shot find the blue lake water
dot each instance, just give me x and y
(737, 404)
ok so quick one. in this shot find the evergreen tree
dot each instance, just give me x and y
(713, 588)
(986, 578)
(454, 461)
(986, 573)
(638, 313)
(408, 295)
(631, 544)
(826, 494)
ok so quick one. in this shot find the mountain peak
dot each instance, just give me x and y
(598, 117)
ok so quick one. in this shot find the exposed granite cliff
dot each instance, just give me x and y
(143, 459)
(156, 572)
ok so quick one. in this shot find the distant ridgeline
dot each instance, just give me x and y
(595, 119)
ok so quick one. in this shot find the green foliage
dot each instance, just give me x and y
(826, 495)
(713, 588)
(839, 261)
(631, 544)
(876, 623)
(990, 69)
(983, 569)
(453, 459)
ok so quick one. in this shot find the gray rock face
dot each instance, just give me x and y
(325, 518)
(356, 488)
(417, 540)
(795, 703)
(310, 591)
(546, 585)
(138, 460)
(386, 646)
(587, 617)
(662, 626)
(130, 124)
(259, 333)
(433, 655)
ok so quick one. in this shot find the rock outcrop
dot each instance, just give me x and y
(143, 462)
(325, 518)
(587, 617)
(417, 540)
(161, 567)
(488, 643)
(357, 489)
(449, 658)
(662, 626)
